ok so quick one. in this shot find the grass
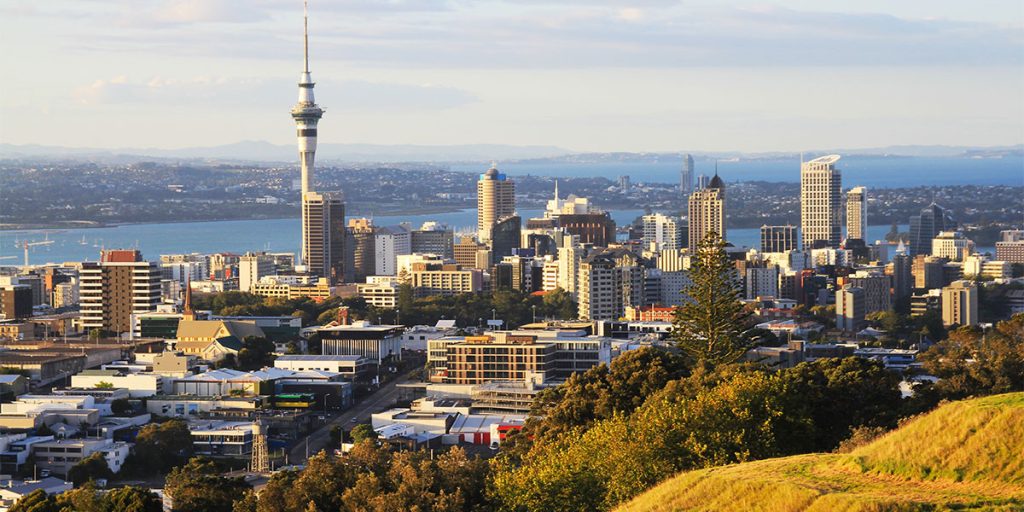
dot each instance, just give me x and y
(966, 455)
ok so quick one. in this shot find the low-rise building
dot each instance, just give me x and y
(351, 367)
(18, 489)
(375, 342)
(139, 385)
(222, 438)
(61, 455)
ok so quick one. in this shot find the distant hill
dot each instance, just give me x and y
(966, 455)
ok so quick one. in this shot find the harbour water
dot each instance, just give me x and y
(239, 236)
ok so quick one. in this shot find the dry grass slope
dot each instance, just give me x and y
(966, 455)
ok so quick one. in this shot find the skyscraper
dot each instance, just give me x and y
(323, 238)
(686, 176)
(495, 200)
(924, 227)
(119, 286)
(821, 203)
(857, 213)
(707, 212)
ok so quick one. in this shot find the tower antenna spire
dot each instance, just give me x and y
(305, 35)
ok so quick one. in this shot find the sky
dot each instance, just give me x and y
(585, 75)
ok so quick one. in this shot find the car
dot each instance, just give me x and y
(353, 420)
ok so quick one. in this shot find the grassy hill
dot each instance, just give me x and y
(966, 455)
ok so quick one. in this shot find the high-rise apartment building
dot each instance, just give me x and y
(902, 275)
(389, 243)
(363, 239)
(609, 281)
(932, 220)
(252, 267)
(857, 213)
(821, 203)
(960, 303)
(119, 285)
(495, 200)
(707, 212)
(850, 308)
(686, 176)
(662, 232)
(323, 241)
(877, 290)
(778, 238)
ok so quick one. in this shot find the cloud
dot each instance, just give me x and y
(358, 95)
(223, 92)
(568, 35)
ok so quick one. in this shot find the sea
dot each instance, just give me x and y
(240, 236)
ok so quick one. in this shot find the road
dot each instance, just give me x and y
(319, 438)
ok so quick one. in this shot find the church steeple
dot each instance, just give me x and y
(186, 309)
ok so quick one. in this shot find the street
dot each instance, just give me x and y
(319, 438)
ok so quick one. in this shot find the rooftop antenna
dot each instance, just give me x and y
(556, 190)
(305, 35)
(716, 167)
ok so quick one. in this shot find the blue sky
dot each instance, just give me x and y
(647, 75)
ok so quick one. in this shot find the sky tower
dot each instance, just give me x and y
(306, 112)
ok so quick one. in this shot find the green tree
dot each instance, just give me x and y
(36, 501)
(972, 362)
(104, 385)
(558, 303)
(198, 487)
(836, 396)
(132, 499)
(161, 446)
(601, 392)
(92, 467)
(121, 407)
(362, 432)
(710, 327)
(256, 353)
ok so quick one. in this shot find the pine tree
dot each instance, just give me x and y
(709, 327)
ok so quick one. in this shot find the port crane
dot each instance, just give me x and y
(26, 245)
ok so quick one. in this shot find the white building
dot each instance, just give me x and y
(389, 243)
(762, 282)
(662, 232)
(252, 267)
(952, 245)
(139, 384)
(821, 207)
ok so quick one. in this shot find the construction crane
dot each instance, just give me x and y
(25, 245)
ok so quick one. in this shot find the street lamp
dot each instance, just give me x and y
(398, 316)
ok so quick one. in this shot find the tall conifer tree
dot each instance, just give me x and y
(709, 327)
